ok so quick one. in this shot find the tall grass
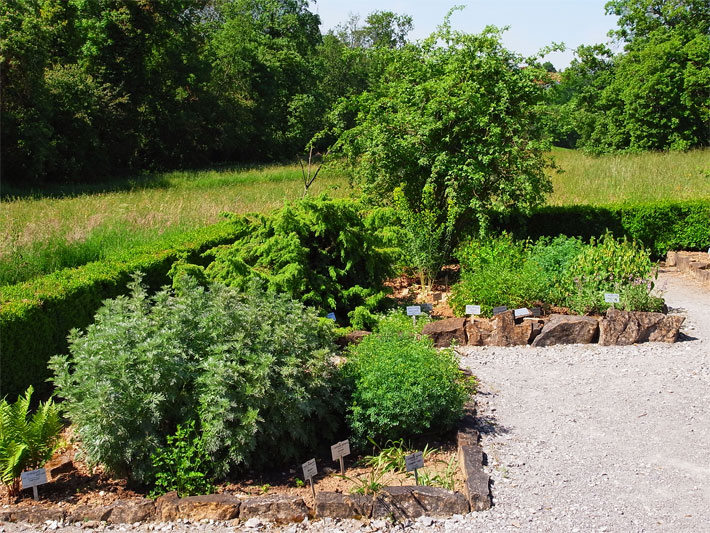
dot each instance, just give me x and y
(69, 227)
(629, 178)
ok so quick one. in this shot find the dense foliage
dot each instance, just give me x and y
(93, 88)
(652, 96)
(251, 368)
(316, 250)
(558, 272)
(26, 441)
(402, 387)
(448, 136)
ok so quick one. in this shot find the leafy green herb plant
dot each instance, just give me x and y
(183, 465)
(402, 387)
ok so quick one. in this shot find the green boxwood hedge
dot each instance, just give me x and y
(36, 316)
(660, 226)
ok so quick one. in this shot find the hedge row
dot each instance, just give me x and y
(36, 316)
(660, 226)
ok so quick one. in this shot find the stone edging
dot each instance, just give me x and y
(687, 262)
(617, 327)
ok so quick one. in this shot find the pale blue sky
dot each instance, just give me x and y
(533, 24)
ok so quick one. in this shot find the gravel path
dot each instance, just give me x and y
(580, 438)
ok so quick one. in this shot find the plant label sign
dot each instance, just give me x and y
(611, 297)
(414, 310)
(32, 478)
(340, 449)
(330, 316)
(523, 311)
(473, 309)
(499, 310)
(536, 311)
(427, 308)
(414, 461)
(309, 469)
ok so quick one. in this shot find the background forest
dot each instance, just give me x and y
(96, 88)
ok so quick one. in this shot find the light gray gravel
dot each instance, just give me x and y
(579, 438)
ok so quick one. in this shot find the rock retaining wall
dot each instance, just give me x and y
(616, 327)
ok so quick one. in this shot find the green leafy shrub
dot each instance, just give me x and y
(562, 271)
(611, 265)
(317, 250)
(36, 316)
(26, 442)
(493, 273)
(402, 387)
(252, 368)
(183, 464)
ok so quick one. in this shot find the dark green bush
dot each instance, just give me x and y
(659, 226)
(36, 316)
(251, 368)
(317, 250)
(402, 387)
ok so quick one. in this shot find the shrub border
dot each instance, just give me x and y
(37, 315)
(660, 226)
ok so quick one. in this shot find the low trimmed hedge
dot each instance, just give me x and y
(36, 316)
(660, 226)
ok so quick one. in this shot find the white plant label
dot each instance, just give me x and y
(523, 311)
(32, 478)
(611, 297)
(340, 449)
(414, 310)
(309, 469)
(331, 316)
(499, 310)
(473, 309)
(414, 460)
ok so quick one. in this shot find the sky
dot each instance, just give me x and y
(533, 23)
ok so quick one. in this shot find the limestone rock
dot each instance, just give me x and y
(507, 333)
(209, 507)
(337, 505)
(131, 511)
(166, 507)
(478, 331)
(444, 331)
(476, 481)
(35, 514)
(84, 513)
(276, 508)
(403, 503)
(631, 327)
(568, 329)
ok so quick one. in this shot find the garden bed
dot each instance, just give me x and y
(77, 493)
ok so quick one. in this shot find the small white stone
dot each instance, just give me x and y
(253, 522)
